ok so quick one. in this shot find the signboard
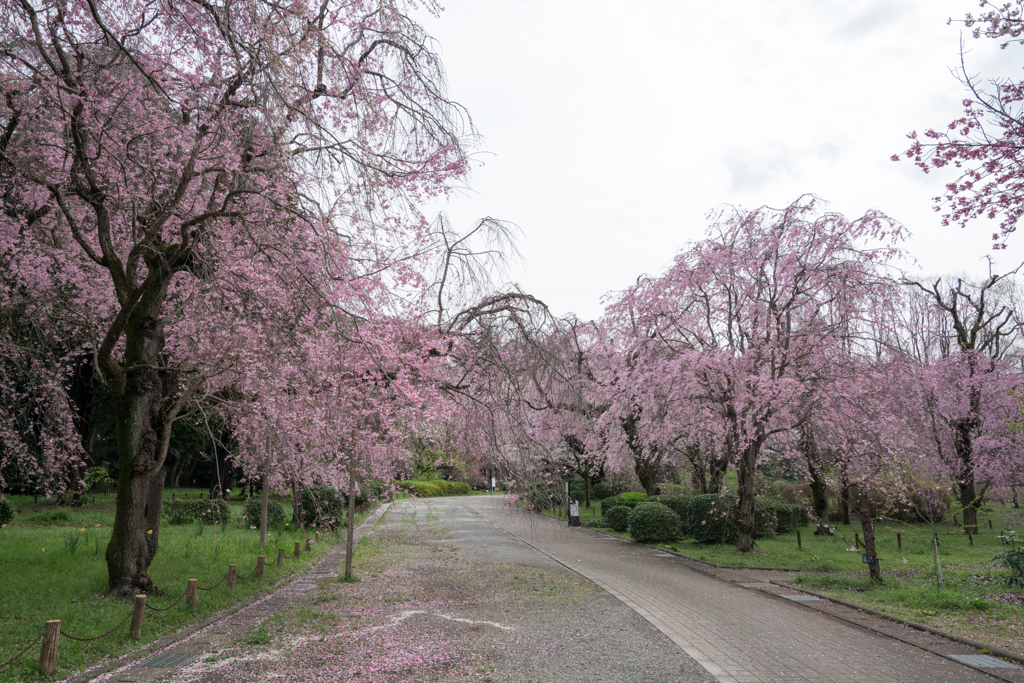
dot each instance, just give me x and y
(868, 558)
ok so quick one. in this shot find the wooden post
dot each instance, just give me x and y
(318, 537)
(48, 654)
(899, 541)
(799, 545)
(990, 524)
(309, 544)
(297, 551)
(280, 557)
(260, 562)
(138, 610)
(232, 576)
(856, 540)
(970, 538)
(192, 593)
(956, 522)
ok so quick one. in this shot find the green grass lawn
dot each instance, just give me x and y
(52, 566)
(973, 602)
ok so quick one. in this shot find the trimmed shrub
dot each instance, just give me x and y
(651, 522)
(437, 488)
(711, 518)
(601, 490)
(190, 510)
(6, 511)
(275, 513)
(630, 499)
(323, 506)
(618, 517)
(678, 504)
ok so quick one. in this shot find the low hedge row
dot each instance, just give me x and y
(435, 488)
(712, 518)
(190, 510)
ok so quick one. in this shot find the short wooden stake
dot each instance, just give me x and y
(990, 524)
(138, 610)
(280, 557)
(856, 540)
(49, 655)
(232, 576)
(297, 551)
(260, 562)
(309, 544)
(899, 541)
(799, 545)
(192, 593)
(956, 521)
(970, 538)
(318, 537)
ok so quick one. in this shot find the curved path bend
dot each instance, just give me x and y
(738, 634)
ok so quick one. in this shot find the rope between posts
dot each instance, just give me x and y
(85, 640)
(18, 656)
(247, 576)
(214, 585)
(164, 609)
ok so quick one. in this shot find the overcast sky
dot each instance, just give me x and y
(610, 129)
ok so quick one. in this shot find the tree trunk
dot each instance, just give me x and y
(819, 500)
(264, 505)
(819, 490)
(296, 505)
(867, 525)
(969, 498)
(586, 489)
(142, 443)
(745, 522)
(349, 544)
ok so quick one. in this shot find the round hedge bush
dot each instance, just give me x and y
(618, 517)
(651, 522)
(275, 513)
(6, 511)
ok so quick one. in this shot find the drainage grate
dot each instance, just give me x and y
(756, 585)
(802, 598)
(168, 660)
(301, 586)
(984, 661)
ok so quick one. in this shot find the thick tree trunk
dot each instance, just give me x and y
(867, 524)
(142, 449)
(969, 497)
(586, 490)
(745, 522)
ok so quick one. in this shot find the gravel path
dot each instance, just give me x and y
(446, 596)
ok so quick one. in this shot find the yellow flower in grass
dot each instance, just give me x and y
(81, 530)
(150, 531)
(44, 550)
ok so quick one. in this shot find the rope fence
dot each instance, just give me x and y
(52, 630)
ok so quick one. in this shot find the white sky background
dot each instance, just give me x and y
(610, 130)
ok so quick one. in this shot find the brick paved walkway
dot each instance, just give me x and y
(738, 634)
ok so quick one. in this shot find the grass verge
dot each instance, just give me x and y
(52, 566)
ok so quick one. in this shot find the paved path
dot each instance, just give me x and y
(738, 634)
